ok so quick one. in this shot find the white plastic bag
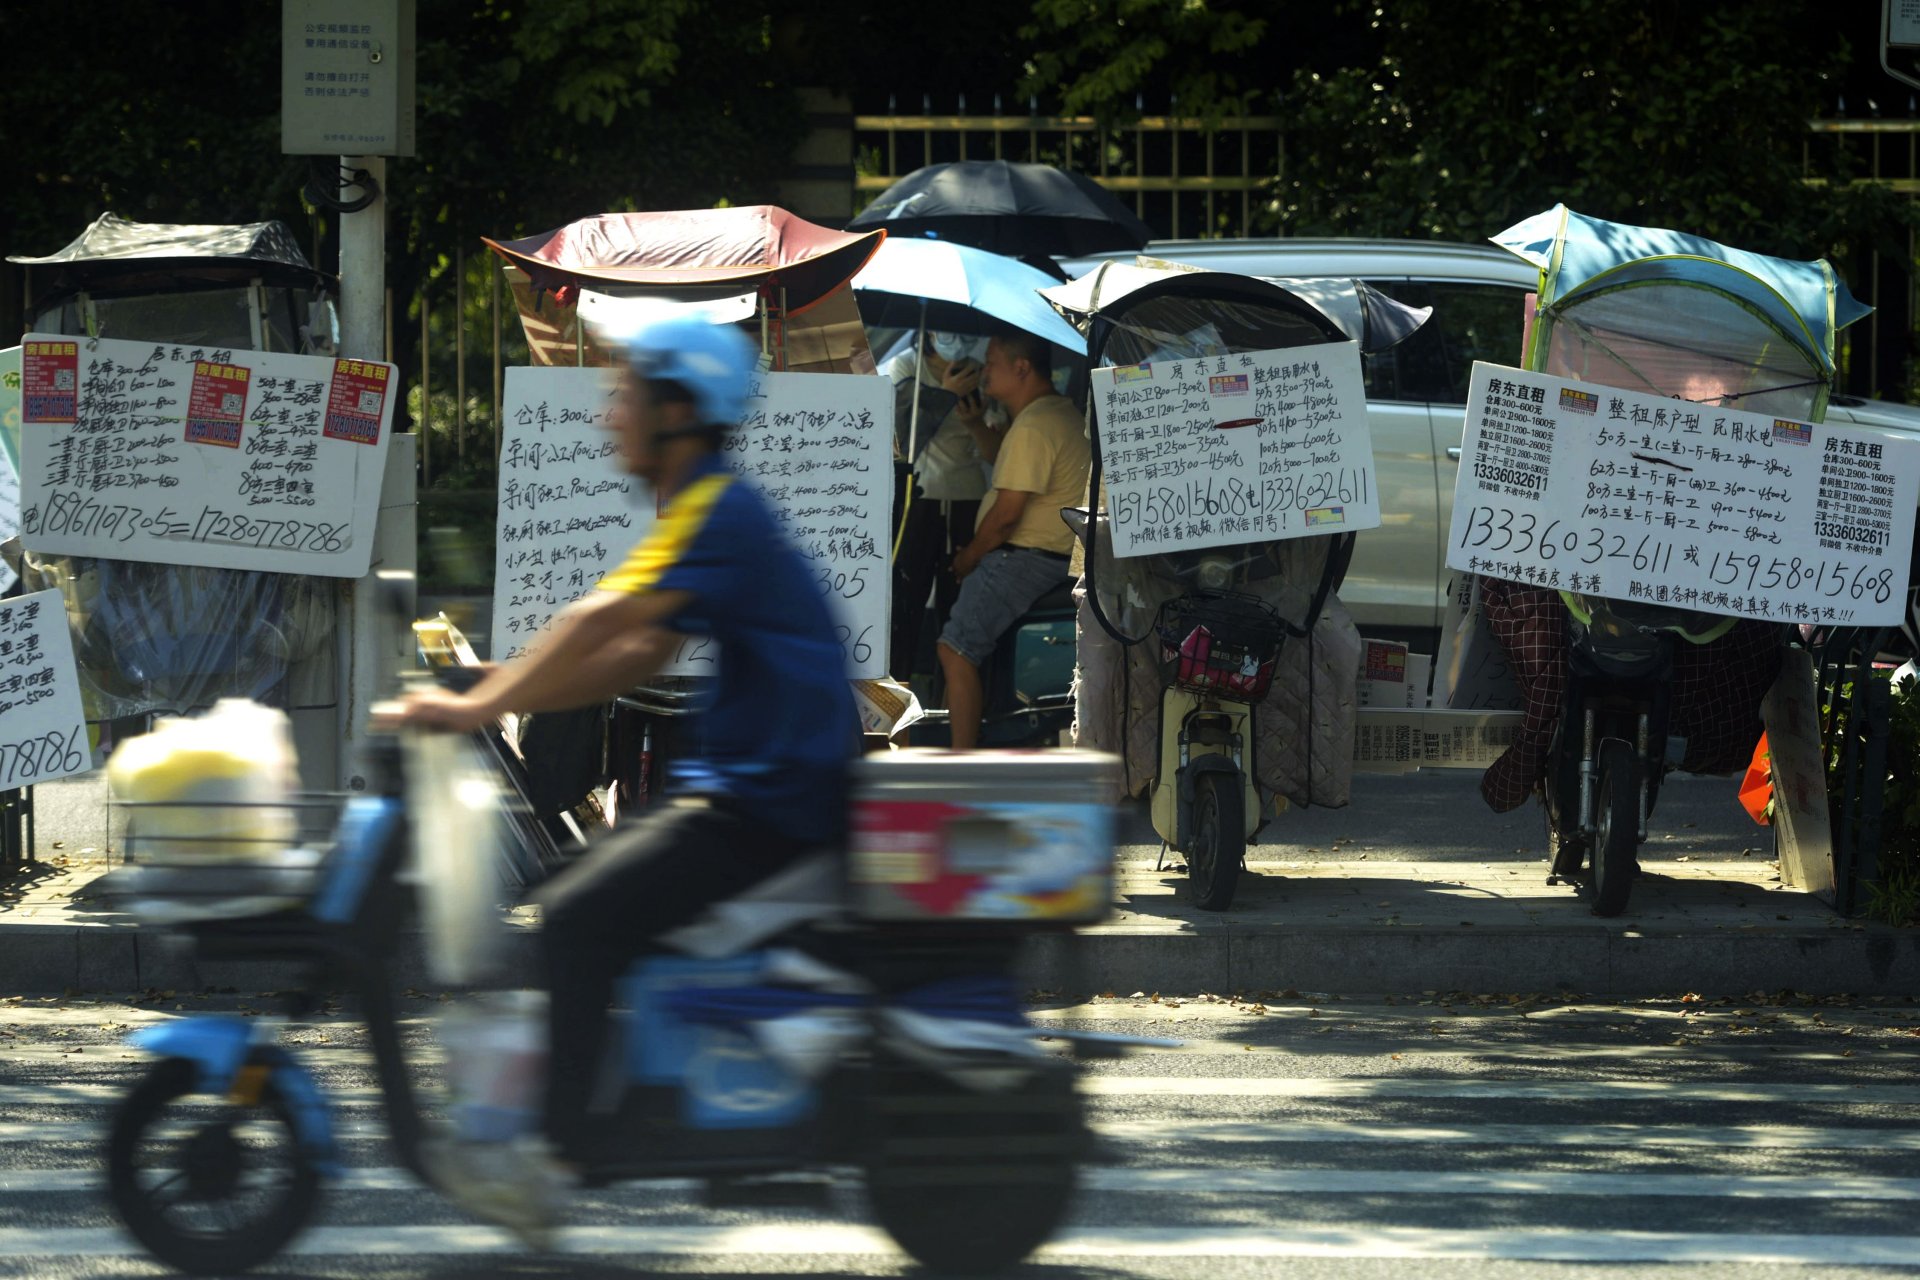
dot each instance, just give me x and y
(496, 1054)
(454, 801)
(220, 785)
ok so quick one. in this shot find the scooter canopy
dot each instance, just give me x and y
(1154, 309)
(1680, 314)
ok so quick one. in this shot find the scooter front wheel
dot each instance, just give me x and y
(1616, 836)
(1219, 840)
(208, 1186)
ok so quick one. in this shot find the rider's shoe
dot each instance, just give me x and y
(515, 1185)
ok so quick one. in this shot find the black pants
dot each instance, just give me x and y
(932, 536)
(600, 914)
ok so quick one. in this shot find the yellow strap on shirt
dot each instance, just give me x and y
(661, 549)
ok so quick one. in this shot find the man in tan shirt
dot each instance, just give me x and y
(1020, 545)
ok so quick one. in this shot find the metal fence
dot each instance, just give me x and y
(1185, 177)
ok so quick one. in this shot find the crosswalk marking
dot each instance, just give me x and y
(847, 1240)
(1297, 1087)
(1213, 1180)
(1293, 1132)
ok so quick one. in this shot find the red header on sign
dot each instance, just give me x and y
(217, 403)
(50, 382)
(357, 401)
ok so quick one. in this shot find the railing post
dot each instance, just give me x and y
(499, 433)
(460, 353)
(426, 394)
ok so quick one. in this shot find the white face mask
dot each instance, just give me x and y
(954, 346)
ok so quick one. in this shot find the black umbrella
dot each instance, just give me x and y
(1021, 210)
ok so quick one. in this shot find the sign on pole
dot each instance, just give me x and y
(347, 77)
(1230, 449)
(817, 445)
(1583, 487)
(188, 455)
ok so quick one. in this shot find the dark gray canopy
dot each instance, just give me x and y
(119, 256)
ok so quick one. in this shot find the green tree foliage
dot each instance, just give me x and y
(1100, 56)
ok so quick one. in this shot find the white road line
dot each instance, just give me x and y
(1202, 1088)
(1215, 1182)
(1636, 1136)
(1472, 1087)
(843, 1240)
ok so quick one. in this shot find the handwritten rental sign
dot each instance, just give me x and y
(204, 456)
(817, 445)
(1582, 487)
(1229, 449)
(43, 734)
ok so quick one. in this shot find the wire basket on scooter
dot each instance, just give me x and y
(1221, 644)
(198, 861)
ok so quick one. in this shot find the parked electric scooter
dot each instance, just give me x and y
(1651, 310)
(968, 1134)
(1214, 613)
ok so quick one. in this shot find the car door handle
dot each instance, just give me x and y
(1454, 453)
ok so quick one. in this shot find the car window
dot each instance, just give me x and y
(1470, 322)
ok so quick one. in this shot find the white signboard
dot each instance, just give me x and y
(189, 455)
(817, 445)
(1231, 449)
(1584, 487)
(43, 733)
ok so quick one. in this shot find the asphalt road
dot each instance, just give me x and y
(1478, 1138)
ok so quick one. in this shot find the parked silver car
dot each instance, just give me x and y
(1416, 396)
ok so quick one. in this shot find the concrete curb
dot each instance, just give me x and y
(1593, 959)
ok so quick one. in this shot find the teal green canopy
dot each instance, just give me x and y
(1680, 315)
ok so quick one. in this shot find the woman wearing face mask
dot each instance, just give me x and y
(950, 476)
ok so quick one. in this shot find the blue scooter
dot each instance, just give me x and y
(216, 1158)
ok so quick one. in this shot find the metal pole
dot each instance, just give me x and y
(913, 414)
(365, 636)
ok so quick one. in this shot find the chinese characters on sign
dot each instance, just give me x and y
(1228, 449)
(568, 511)
(1582, 487)
(812, 443)
(42, 733)
(186, 455)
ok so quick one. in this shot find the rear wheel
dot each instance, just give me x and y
(971, 1181)
(1616, 834)
(210, 1187)
(1219, 840)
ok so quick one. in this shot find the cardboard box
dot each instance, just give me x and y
(983, 835)
(1390, 740)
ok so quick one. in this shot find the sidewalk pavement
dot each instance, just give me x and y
(1358, 926)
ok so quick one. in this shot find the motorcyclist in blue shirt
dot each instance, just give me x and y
(768, 779)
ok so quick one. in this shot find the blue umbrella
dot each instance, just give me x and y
(937, 284)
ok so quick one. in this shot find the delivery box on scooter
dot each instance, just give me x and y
(983, 835)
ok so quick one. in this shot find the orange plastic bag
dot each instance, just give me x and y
(1756, 789)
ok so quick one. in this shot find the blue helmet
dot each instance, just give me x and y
(712, 361)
